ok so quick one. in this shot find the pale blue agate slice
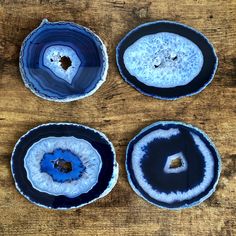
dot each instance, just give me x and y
(53, 59)
(163, 60)
(67, 184)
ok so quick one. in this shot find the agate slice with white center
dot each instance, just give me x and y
(63, 165)
(63, 61)
(172, 165)
(166, 60)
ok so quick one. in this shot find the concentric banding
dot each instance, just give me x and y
(64, 165)
(166, 60)
(149, 158)
(42, 181)
(63, 61)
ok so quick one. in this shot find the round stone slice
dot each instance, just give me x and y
(166, 60)
(172, 165)
(63, 61)
(64, 165)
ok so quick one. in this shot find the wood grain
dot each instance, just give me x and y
(119, 111)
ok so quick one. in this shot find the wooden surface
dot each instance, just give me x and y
(119, 111)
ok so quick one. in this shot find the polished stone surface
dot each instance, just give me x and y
(172, 165)
(63, 61)
(166, 60)
(64, 165)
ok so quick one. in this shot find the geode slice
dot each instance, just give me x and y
(172, 165)
(63, 61)
(64, 165)
(166, 60)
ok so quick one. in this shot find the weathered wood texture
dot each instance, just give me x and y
(119, 111)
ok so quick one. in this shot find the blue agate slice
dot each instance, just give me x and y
(172, 165)
(64, 165)
(63, 61)
(166, 60)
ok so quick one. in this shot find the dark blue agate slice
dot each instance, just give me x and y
(172, 165)
(64, 165)
(63, 61)
(166, 60)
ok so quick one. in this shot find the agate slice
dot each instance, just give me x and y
(64, 165)
(172, 165)
(63, 61)
(166, 60)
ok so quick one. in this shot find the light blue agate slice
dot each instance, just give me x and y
(163, 60)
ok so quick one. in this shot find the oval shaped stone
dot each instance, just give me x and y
(64, 165)
(166, 60)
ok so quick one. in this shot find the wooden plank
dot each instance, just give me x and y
(119, 111)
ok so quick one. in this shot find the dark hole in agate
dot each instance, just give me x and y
(174, 58)
(65, 62)
(62, 165)
(176, 163)
(156, 66)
